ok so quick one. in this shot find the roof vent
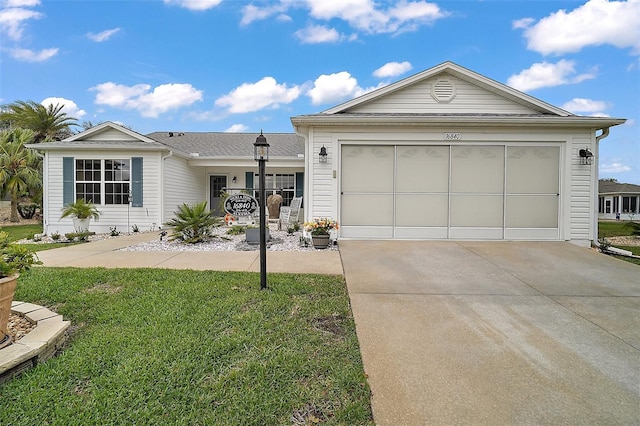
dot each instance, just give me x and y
(443, 90)
(170, 134)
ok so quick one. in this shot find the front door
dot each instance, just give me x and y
(217, 183)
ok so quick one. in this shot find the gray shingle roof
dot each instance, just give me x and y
(221, 144)
(607, 187)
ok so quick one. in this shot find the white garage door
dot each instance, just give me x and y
(463, 192)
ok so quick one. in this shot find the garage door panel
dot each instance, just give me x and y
(477, 210)
(422, 210)
(532, 169)
(422, 169)
(367, 168)
(367, 209)
(530, 211)
(477, 169)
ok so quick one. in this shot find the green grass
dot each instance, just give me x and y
(19, 232)
(192, 348)
(612, 229)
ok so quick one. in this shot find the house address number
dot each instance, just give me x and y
(452, 136)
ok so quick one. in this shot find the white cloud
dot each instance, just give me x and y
(150, 104)
(103, 36)
(582, 105)
(614, 166)
(332, 88)
(20, 3)
(266, 93)
(29, 55)
(392, 69)
(314, 34)
(251, 13)
(595, 23)
(69, 107)
(237, 128)
(365, 16)
(13, 20)
(546, 74)
(194, 4)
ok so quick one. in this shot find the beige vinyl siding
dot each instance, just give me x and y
(112, 135)
(182, 184)
(120, 216)
(469, 99)
(324, 191)
(582, 202)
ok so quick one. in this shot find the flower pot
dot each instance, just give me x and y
(81, 225)
(7, 289)
(320, 241)
(252, 235)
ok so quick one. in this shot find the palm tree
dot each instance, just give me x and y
(19, 167)
(47, 122)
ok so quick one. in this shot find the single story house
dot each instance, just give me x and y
(444, 154)
(618, 200)
(141, 180)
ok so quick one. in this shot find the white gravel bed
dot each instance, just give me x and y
(280, 241)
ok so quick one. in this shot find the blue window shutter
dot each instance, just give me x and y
(299, 184)
(68, 190)
(249, 179)
(136, 182)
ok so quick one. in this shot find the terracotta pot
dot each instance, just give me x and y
(320, 241)
(7, 289)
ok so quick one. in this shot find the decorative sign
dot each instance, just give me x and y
(241, 205)
(452, 136)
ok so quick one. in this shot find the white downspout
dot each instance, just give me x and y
(596, 183)
(162, 159)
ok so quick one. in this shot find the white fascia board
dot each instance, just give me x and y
(475, 121)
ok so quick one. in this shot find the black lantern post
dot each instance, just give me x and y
(261, 155)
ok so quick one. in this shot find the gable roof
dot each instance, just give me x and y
(412, 101)
(111, 136)
(610, 187)
(462, 73)
(105, 136)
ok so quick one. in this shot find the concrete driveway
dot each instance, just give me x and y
(496, 333)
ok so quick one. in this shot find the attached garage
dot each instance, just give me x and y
(445, 191)
(450, 154)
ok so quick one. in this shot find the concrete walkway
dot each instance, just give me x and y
(496, 333)
(105, 254)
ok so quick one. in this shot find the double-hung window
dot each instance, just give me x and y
(103, 181)
(281, 183)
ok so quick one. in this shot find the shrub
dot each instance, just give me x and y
(27, 211)
(193, 224)
(236, 230)
(633, 227)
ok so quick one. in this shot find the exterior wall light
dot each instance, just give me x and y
(234, 180)
(323, 154)
(586, 157)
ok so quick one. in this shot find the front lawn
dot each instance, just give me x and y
(192, 348)
(610, 228)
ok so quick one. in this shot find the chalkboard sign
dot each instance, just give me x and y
(240, 205)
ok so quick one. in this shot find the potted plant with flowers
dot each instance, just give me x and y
(320, 229)
(14, 259)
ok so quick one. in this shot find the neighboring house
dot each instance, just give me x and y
(618, 198)
(451, 154)
(443, 154)
(108, 163)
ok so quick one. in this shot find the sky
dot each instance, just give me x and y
(246, 66)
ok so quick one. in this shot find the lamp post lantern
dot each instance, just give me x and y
(261, 155)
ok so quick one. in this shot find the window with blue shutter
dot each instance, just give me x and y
(68, 193)
(299, 184)
(249, 179)
(136, 182)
